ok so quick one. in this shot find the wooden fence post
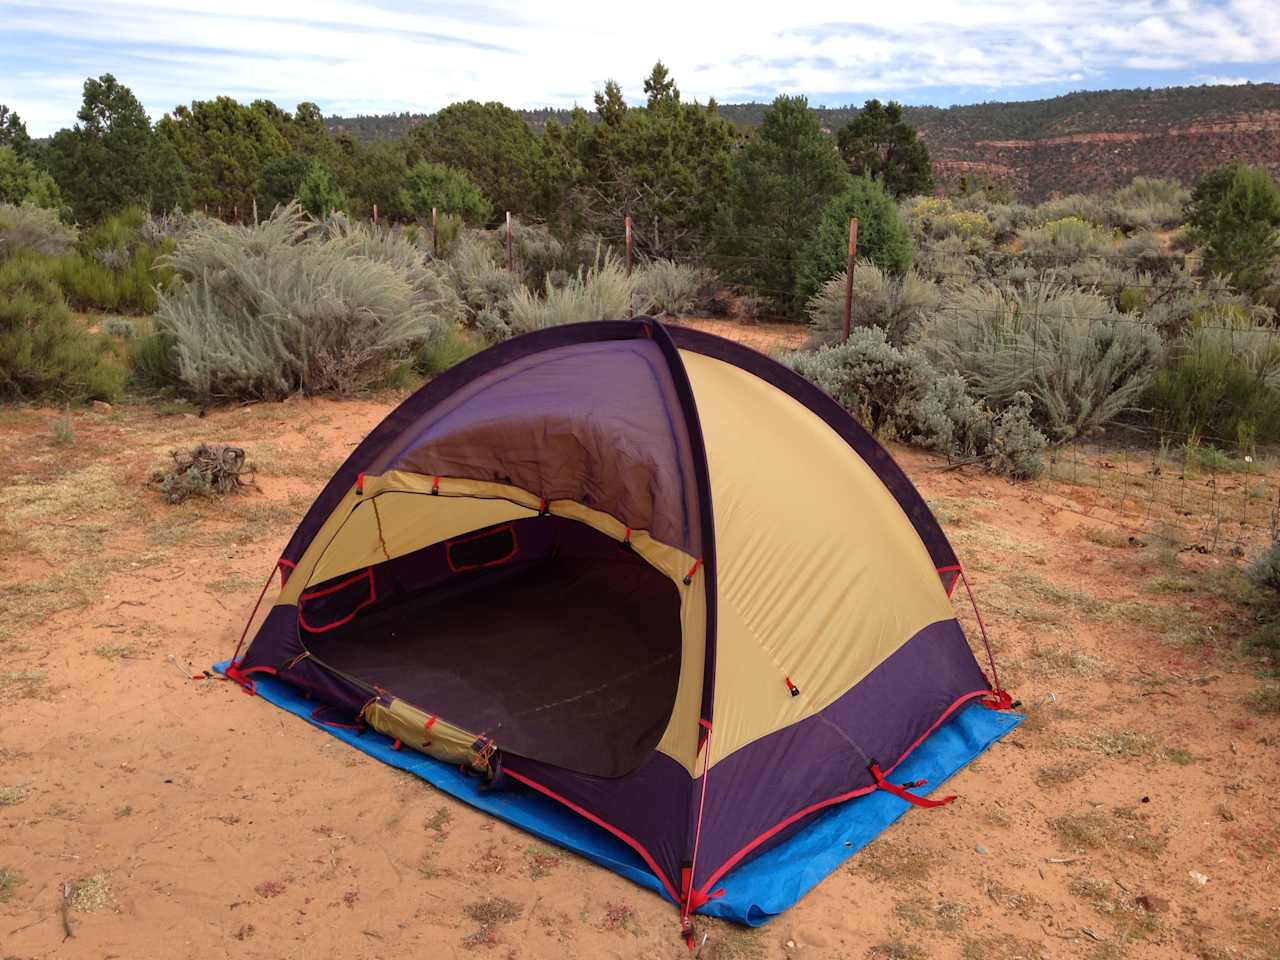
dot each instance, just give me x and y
(628, 227)
(435, 243)
(510, 260)
(631, 309)
(255, 211)
(375, 214)
(848, 280)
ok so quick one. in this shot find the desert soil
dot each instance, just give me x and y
(147, 814)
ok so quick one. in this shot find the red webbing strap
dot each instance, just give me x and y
(688, 577)
(242, 677)
(431, 722)
(901, 791)
(999, 694)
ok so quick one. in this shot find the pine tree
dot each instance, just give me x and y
(879, 143)
(782, 179)
(106, 161)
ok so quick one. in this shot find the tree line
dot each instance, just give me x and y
(680, 170)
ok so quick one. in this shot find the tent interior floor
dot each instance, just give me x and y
(569, 661)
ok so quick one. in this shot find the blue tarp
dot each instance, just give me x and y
(755, 892)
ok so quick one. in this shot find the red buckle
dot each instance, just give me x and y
(999, 700)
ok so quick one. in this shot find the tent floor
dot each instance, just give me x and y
(572, 662)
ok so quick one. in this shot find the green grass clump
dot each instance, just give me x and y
(10, 880)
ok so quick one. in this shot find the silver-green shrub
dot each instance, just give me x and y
(485, 287)
(663, 286)
(1147, 204)
(946, 419)
(867, 375)
(263, 311)
(1017, 446)
(602, 291)
(1080, 361)
(1074, 206)
(33, 228)
(1265, 571)
(1065, 240)
(894, 305)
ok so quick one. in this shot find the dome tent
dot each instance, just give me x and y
(643, 571)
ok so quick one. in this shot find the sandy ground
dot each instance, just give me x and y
(152, 815)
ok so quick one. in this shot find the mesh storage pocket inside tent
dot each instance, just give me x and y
(540, 633)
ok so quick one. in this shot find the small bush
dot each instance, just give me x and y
(601, 292)
(1082, 365)
(484, 287)
(44, 352)
(536, 252)
(438, 354)
(867, 375)
(1264, 572)
(153, 362)
(947, 420)
(445, 188)
(1144, 252)
(1017, 447)
(207, 470)
(1066, 240)
(1147, 204)
(895, 305)
(115, 267)
(363, 241)
(951, 262)
(34, 229)
(1008, 218)
(1075, 206)
(121, 327)
(1221, 381)
(939, 218)
(666, 287)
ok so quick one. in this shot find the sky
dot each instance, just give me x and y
(392, 55)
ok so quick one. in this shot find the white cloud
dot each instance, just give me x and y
(1216, 80)
(404, 55)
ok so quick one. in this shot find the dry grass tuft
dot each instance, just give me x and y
(892, 861)
(23, 685)
(1106, 537)
(1125, 829)
(10, 880)
(1055, 775)
(896, 948)
(728, 941)
(437, 822)
(541, 859)
(490, 913)
(92, 893)
(1057, 661)
(14, 795)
